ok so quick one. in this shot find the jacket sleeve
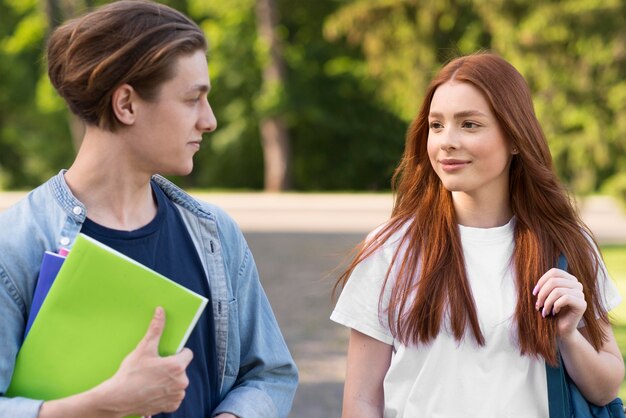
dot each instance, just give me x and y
(12, 314)
(260, 377)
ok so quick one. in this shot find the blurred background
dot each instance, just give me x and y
(327, 87)
(314, 97)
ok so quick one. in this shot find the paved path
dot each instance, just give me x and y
(298, 240)
(296, 271)
(355, 213)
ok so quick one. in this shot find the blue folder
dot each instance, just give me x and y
(50, 266)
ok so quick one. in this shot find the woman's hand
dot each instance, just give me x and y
(561, 294)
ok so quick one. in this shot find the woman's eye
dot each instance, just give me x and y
(469, 125)
(435, 125)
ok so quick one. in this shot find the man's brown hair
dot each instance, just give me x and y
(129, 41)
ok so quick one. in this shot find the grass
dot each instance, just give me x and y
(615, 259)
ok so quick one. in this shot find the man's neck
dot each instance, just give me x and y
(114, 192)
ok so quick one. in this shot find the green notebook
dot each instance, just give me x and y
(98, 309)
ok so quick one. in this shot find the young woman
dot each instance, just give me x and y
(455, 304)
(136, 73)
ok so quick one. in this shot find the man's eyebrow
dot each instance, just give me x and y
(459, 115)
(203, 88)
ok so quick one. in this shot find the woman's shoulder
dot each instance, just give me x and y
(389, 237)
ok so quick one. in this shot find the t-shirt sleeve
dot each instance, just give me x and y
(609, 295)
(358, 304)
(607, 292)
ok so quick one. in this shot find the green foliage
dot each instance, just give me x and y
(343, 136)
(356, 71)
(34, 142)
(404, 42)
(327, 103)
(572, 52)
(231, 156)
(28, 34)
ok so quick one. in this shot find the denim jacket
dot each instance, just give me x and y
(258, 377)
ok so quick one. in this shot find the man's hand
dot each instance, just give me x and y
(225, 415)
(145, 383)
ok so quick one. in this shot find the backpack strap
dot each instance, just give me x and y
(558, 393)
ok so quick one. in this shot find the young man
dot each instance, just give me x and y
(136, 73)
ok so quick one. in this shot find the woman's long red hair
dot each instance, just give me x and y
(547, 225)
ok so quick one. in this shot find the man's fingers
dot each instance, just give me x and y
(153, 336)
(185, 356)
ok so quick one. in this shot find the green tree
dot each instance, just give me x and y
(342, 135)
(232, 155)
(572, 53)
(274, 133)
(34, 139)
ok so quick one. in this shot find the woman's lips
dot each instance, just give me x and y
(450, 165)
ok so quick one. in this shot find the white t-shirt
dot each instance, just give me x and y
(447, 378)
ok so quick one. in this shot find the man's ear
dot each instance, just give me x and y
(123, 104)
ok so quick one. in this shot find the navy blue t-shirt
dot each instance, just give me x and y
(164, 245)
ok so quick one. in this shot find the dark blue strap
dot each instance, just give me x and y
(558, 393)
(564, 398)
(562, 263)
